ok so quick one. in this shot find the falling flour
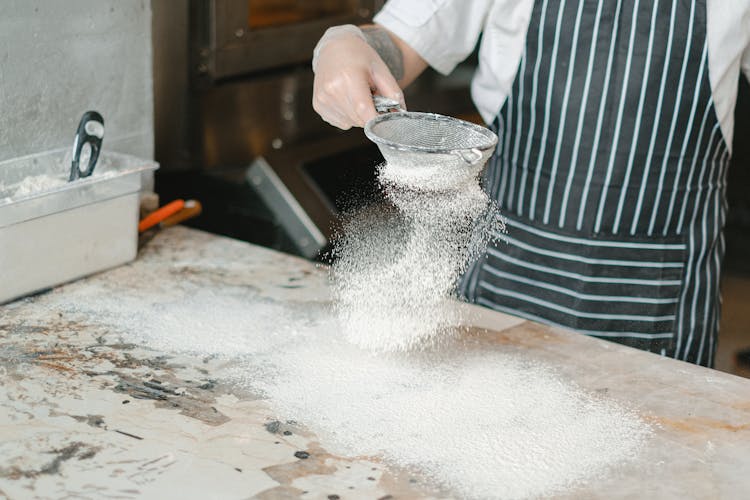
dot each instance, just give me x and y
(478, 420)
(395, 270)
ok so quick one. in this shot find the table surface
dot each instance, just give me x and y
(87, 415)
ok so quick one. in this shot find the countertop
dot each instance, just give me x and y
(86, 413)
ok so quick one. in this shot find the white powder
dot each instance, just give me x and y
(395, 270)
(428, 172)
(473, 418)
(482, 424)
(36, 184)
(58, 176)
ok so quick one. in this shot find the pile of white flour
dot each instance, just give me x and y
(30, 185)
(37, 183)
(395, 270)
(58, 176)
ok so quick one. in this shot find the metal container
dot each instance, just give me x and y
(70, 229)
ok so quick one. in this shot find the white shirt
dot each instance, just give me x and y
(444, 33)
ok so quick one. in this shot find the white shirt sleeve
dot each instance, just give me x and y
(728, 34)
(442, 32)
(746, 62)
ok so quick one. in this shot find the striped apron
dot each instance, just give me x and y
(611, 172)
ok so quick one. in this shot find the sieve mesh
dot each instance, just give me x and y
(427, 132)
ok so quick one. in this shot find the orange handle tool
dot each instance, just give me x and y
(160, 214)
(193, 208)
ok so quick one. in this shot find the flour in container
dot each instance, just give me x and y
(56, 176)
(36, 184)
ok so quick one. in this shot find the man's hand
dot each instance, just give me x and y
(348, 71)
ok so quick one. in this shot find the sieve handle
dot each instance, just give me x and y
(470, 156)
(385, 104)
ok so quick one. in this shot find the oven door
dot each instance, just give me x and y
(237, 37)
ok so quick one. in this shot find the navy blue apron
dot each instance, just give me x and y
(611, 173)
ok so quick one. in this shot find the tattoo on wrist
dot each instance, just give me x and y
(380, 40)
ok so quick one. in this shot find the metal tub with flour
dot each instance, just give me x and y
(53, 231)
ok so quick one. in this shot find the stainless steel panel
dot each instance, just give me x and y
(290, 214)
(116, 175)
(71, 230)
(243, 119)
(59, 59)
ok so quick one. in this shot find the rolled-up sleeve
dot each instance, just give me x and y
(442, 32)
(745, 59)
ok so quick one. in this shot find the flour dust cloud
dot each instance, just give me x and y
(396, 268)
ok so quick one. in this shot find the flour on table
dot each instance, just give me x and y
(475, 419)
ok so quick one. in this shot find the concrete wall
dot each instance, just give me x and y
(59, 58)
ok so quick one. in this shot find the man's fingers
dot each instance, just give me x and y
(362, 107)
(328, 107)
(384, 83)
(337, 119)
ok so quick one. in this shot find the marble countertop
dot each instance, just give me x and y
(85, 415)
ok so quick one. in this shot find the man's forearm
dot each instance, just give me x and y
(381, 41)
(402, 61)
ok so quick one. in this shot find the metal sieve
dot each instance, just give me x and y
(406, 135)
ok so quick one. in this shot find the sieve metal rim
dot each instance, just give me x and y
(484, 131)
